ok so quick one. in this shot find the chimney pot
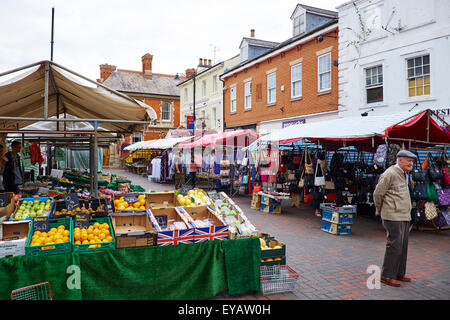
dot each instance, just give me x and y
(147, 65)
(105, 71)
(200, 61)
(252, 33)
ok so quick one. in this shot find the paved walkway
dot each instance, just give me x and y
(335, 267)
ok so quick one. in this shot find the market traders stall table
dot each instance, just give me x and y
(185, 271)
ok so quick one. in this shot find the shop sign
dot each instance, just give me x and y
(286, 124)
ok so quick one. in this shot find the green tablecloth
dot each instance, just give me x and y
(191, 271)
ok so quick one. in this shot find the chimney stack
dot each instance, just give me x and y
(147, 66)
(252, 33)
(190, 73)
(105, 71)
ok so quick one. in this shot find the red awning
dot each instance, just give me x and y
(421, 127)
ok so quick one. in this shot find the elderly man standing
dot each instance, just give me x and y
(393, 203)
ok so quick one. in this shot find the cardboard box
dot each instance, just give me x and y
(219, 229)
(171, 237)
(165, 199)
(9, 209)
(14, 237)
(133, 230)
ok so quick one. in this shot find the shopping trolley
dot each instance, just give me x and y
(40, 291)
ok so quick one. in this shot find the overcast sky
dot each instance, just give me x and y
(177, 33)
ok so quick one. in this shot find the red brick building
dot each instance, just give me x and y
(295, 82)
(157, 90)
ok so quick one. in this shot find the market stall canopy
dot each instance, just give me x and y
(23, 99)
(362, 130)
(160, 144)
(43, 126)
(240, 138)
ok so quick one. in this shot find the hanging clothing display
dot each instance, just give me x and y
(156, 169)
(35, 153)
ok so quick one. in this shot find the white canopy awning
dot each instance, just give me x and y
(342, 128)
(162, 144)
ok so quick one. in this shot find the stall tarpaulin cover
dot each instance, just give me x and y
(243, 138)
(360, 130)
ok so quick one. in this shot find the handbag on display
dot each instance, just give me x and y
(443, 218)
(256, 189)
(291, 175)
(309, 169)
(418, 216)
(446, 175)
(245, 179)
(308, 198)
(319, 178)
(420, 191)
(417, 173)
(433, 171)
(430, 210)
(331, 197)
(301, 182)
(244, 161)
(329, 185)
(431, 192)
(391, 157)
(444, 197)
(380, 156)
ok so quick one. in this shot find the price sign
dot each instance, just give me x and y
(81, 220)
(162, 221)
(4, 199)
(71, 200)
(131, 199)
(40, 224)
(185, 188)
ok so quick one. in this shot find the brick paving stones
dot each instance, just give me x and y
(334, 267)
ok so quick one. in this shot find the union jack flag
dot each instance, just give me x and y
(174, 237)
(211, 233)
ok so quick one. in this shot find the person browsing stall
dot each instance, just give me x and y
(12, 171)
(392, 201)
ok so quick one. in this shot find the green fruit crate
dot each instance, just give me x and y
(50, 249)
(84, 248)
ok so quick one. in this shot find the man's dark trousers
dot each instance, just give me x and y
(395, 257)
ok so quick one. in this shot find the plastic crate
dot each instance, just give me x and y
(93, 203)
(335, 228)
(84, 248)
(277, 278)
(271, 208)
(343, 209)
(50, 249)
(41, 199)
(336, 217)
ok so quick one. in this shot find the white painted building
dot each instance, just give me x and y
(208, 95)
(394, 56)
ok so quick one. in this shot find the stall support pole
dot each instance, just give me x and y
(94, 161)
(47, 73)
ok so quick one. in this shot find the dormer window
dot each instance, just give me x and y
(299, 24)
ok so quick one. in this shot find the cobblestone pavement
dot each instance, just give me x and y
(335, 267)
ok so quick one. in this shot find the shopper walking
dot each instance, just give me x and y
(193, 171)
(393, 203)
(12, 172)
(179, 175)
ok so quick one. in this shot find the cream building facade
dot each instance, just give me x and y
(208, 95)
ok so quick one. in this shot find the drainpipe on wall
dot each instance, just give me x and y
(223, 104)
